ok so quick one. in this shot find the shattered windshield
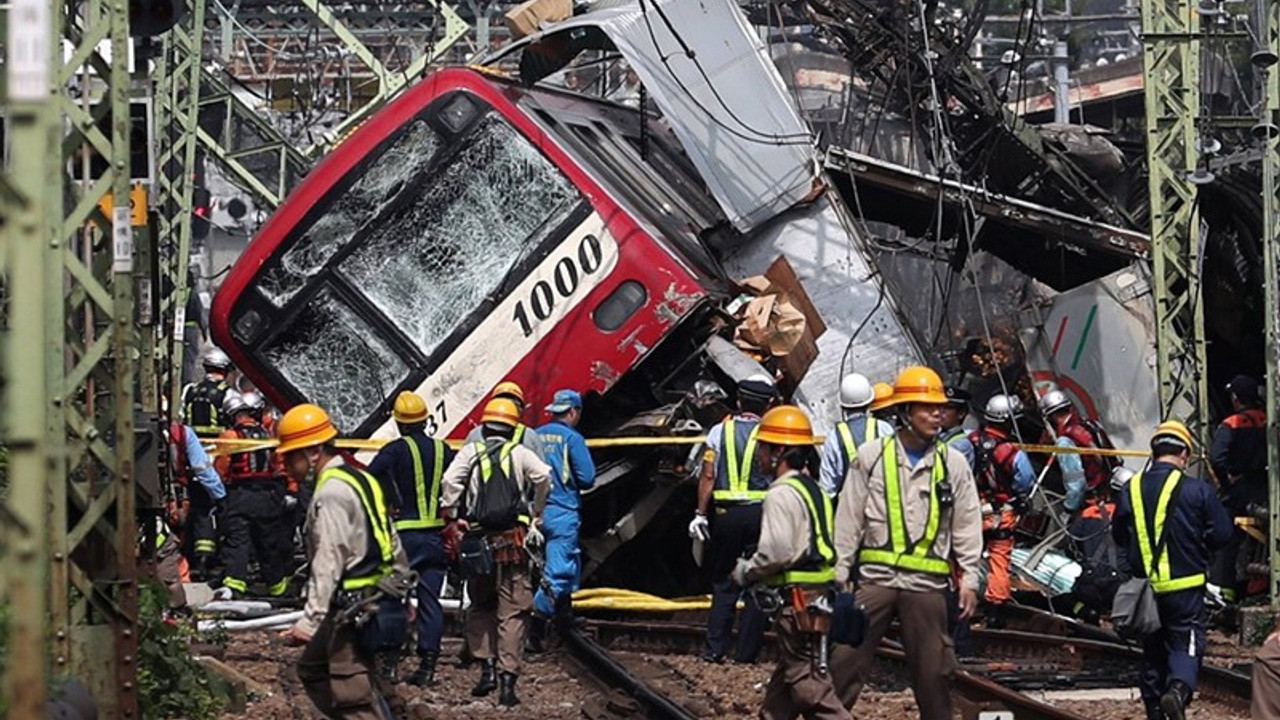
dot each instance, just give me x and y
(453, 233)
(335, 358)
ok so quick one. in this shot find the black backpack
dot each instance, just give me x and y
(1100, 574)
(498, 503)
(1103, 442)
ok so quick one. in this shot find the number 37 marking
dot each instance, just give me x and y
(437, 419)
(569, 272)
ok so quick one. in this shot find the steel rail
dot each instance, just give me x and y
(599, 661)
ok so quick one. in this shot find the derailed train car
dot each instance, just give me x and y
(484, 227)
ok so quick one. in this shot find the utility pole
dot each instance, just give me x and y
(1267, 132)
(1171, 67)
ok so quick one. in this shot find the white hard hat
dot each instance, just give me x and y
(232, 404)
(217, 359)
(1003, 408)
(856, 391)
(1121, 477)
(254, 401)
(1053, 401)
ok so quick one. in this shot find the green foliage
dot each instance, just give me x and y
(4, 470)
(170, 683)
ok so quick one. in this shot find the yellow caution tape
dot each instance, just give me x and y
(1057, 450)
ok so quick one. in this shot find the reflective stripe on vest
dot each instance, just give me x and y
(870, 431)
(821, 550)
(739, 468)
(897, 554)
(380, 557)
(428, 492)
(504, 461)
(1159, 570)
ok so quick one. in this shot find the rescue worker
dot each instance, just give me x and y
(501, 599)
(1102, 565)
(856, 395)
(733, 484)
(1266, 680)
(189, 461)
(1168, 523)
(953, 417)
(202, 402)
(1005, 477)
(909, 505)
(572, 471)
(358, 576)
(882, 405)
(796, 556)
(1239, 461)
(253, 522)
(410, 470)
(1086, 478)
(512, 391)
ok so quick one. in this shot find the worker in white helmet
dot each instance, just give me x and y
(858, 427)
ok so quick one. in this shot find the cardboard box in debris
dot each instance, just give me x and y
(780, 321)
(528, 17)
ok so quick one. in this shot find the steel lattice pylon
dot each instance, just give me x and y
(71, 356)
(1171, 66)
(1270, 146)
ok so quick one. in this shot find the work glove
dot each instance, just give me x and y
(534, 540)
(739, 574)
(699, 528)
(452, 536)
(290, 503)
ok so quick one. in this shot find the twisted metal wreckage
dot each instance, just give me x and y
(919, 219)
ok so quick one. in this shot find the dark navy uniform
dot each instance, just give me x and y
(409, 470)
(1197, 524)
(1239, 459)
(735, 530)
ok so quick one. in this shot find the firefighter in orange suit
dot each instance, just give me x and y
(908, 507)
(359, 577)
(796, 555)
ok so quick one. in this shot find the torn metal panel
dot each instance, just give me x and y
(823, 246)
(1097, 343)
(721, 94)
(1016, 214)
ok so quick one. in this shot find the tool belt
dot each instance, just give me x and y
(812, 607)
(480, 553)
(508, 546)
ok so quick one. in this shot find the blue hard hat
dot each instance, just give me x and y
(564, 401)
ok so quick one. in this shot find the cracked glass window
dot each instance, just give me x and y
(333, 358)
(378, 184)
(438, 249)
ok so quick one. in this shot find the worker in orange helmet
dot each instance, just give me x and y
(522, 435)
(355, 617)
(908, 507)
(495, 490)
(796, 555)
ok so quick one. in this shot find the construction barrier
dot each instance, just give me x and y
(221, 446)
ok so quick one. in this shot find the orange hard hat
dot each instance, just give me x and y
(1172, 430)
(883, 396)
(508, 388)
(304, 426)
(918, 384)
(410, 409)
(501, 410)
(785, 425)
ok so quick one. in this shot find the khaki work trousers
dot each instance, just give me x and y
(499, 615)
(930, 651)
(796, 688)
(337, 676)
(1266, 681)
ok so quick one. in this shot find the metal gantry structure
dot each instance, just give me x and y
(1268, 137)
(1171, 45)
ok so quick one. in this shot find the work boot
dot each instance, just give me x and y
(488, 678)
(425, 675)
(507, 690)
(1174, 701)
(1154, 712)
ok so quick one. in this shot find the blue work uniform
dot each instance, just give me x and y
(1197, 524)
(740, 486)
(204, 490)
(409, 470)
(842, 443)
(572, 471)
(958, 438)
